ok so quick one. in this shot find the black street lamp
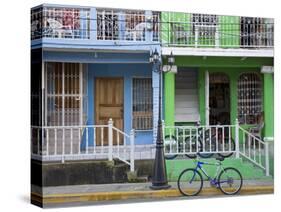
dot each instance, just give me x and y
(159, 177)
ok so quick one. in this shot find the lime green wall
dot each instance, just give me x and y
(182, 19)
(248, 171)
(229, 31)
(229, 27)
(233, 75)
(268, 101)
(169, 93)
(233, 67)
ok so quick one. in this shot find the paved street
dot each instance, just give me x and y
(61, 196)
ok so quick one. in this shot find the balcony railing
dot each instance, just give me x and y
(176, 29)
(76, 23)
(243, 32)
(51, 22)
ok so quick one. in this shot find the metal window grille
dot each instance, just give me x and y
(107, 25)
(155, 25)
(142, 104)
(36, 23)
(135, 25)
(65, 95)
(256, 31)
(204, 29)
(55, 22)
(249, 98)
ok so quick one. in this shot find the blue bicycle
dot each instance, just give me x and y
(229, 180)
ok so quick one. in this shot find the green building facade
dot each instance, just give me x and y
(225, 56)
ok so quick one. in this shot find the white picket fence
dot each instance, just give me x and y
(64, 143)
(216, 139)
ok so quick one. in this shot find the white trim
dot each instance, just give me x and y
(188, 51)
(46, 93)
(81, 93)
(267, 69)
(42, 93)
(268, 139)
(98, 49)
(63, 95)
(207, 106)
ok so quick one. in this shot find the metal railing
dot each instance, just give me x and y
(56, 22)
(189, 140)
(65, 143)
(107, 24)
(254, 149)
(216, 139)
(127, 25)
(259, 33)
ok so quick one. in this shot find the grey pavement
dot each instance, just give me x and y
(93, 188)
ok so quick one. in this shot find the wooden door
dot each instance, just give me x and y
(109, 104)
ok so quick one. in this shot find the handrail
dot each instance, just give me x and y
(226, 139)
(53, 143)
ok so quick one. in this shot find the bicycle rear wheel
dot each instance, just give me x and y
(192, 146)
(190, 182)
(227, 146)
(208, 146)
(230, 181)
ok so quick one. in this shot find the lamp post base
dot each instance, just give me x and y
(160, 187)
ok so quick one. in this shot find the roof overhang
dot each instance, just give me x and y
(185, 51)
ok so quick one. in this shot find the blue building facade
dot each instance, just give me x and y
(85, 46)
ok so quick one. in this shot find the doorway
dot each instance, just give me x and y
(219, 99)
(108, 104)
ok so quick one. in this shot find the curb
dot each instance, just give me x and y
(125, 195)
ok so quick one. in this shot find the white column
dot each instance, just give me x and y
(266, 149)
(81, 93)
(237, 138)
(207, 109)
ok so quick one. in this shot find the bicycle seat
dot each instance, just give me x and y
(220, 158)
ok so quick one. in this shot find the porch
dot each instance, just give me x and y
(73, 143)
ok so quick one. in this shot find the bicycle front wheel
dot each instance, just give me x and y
(230, 181)
(190, 182)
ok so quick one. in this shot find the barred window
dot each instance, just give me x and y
(249, 98)
(205, 29)
(107, 25)
(142, 104)
(206, 24)
(65, 94)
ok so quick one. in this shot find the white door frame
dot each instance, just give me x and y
(207, 107)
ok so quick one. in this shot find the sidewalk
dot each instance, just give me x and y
(60, 195)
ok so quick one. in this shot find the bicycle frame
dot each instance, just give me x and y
(213, 181)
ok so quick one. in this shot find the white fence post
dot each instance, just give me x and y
(63, 145)
(217, 38)
(236, 138)
(132, 150)
(196, 36)
(266, 149)
(110, 139)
